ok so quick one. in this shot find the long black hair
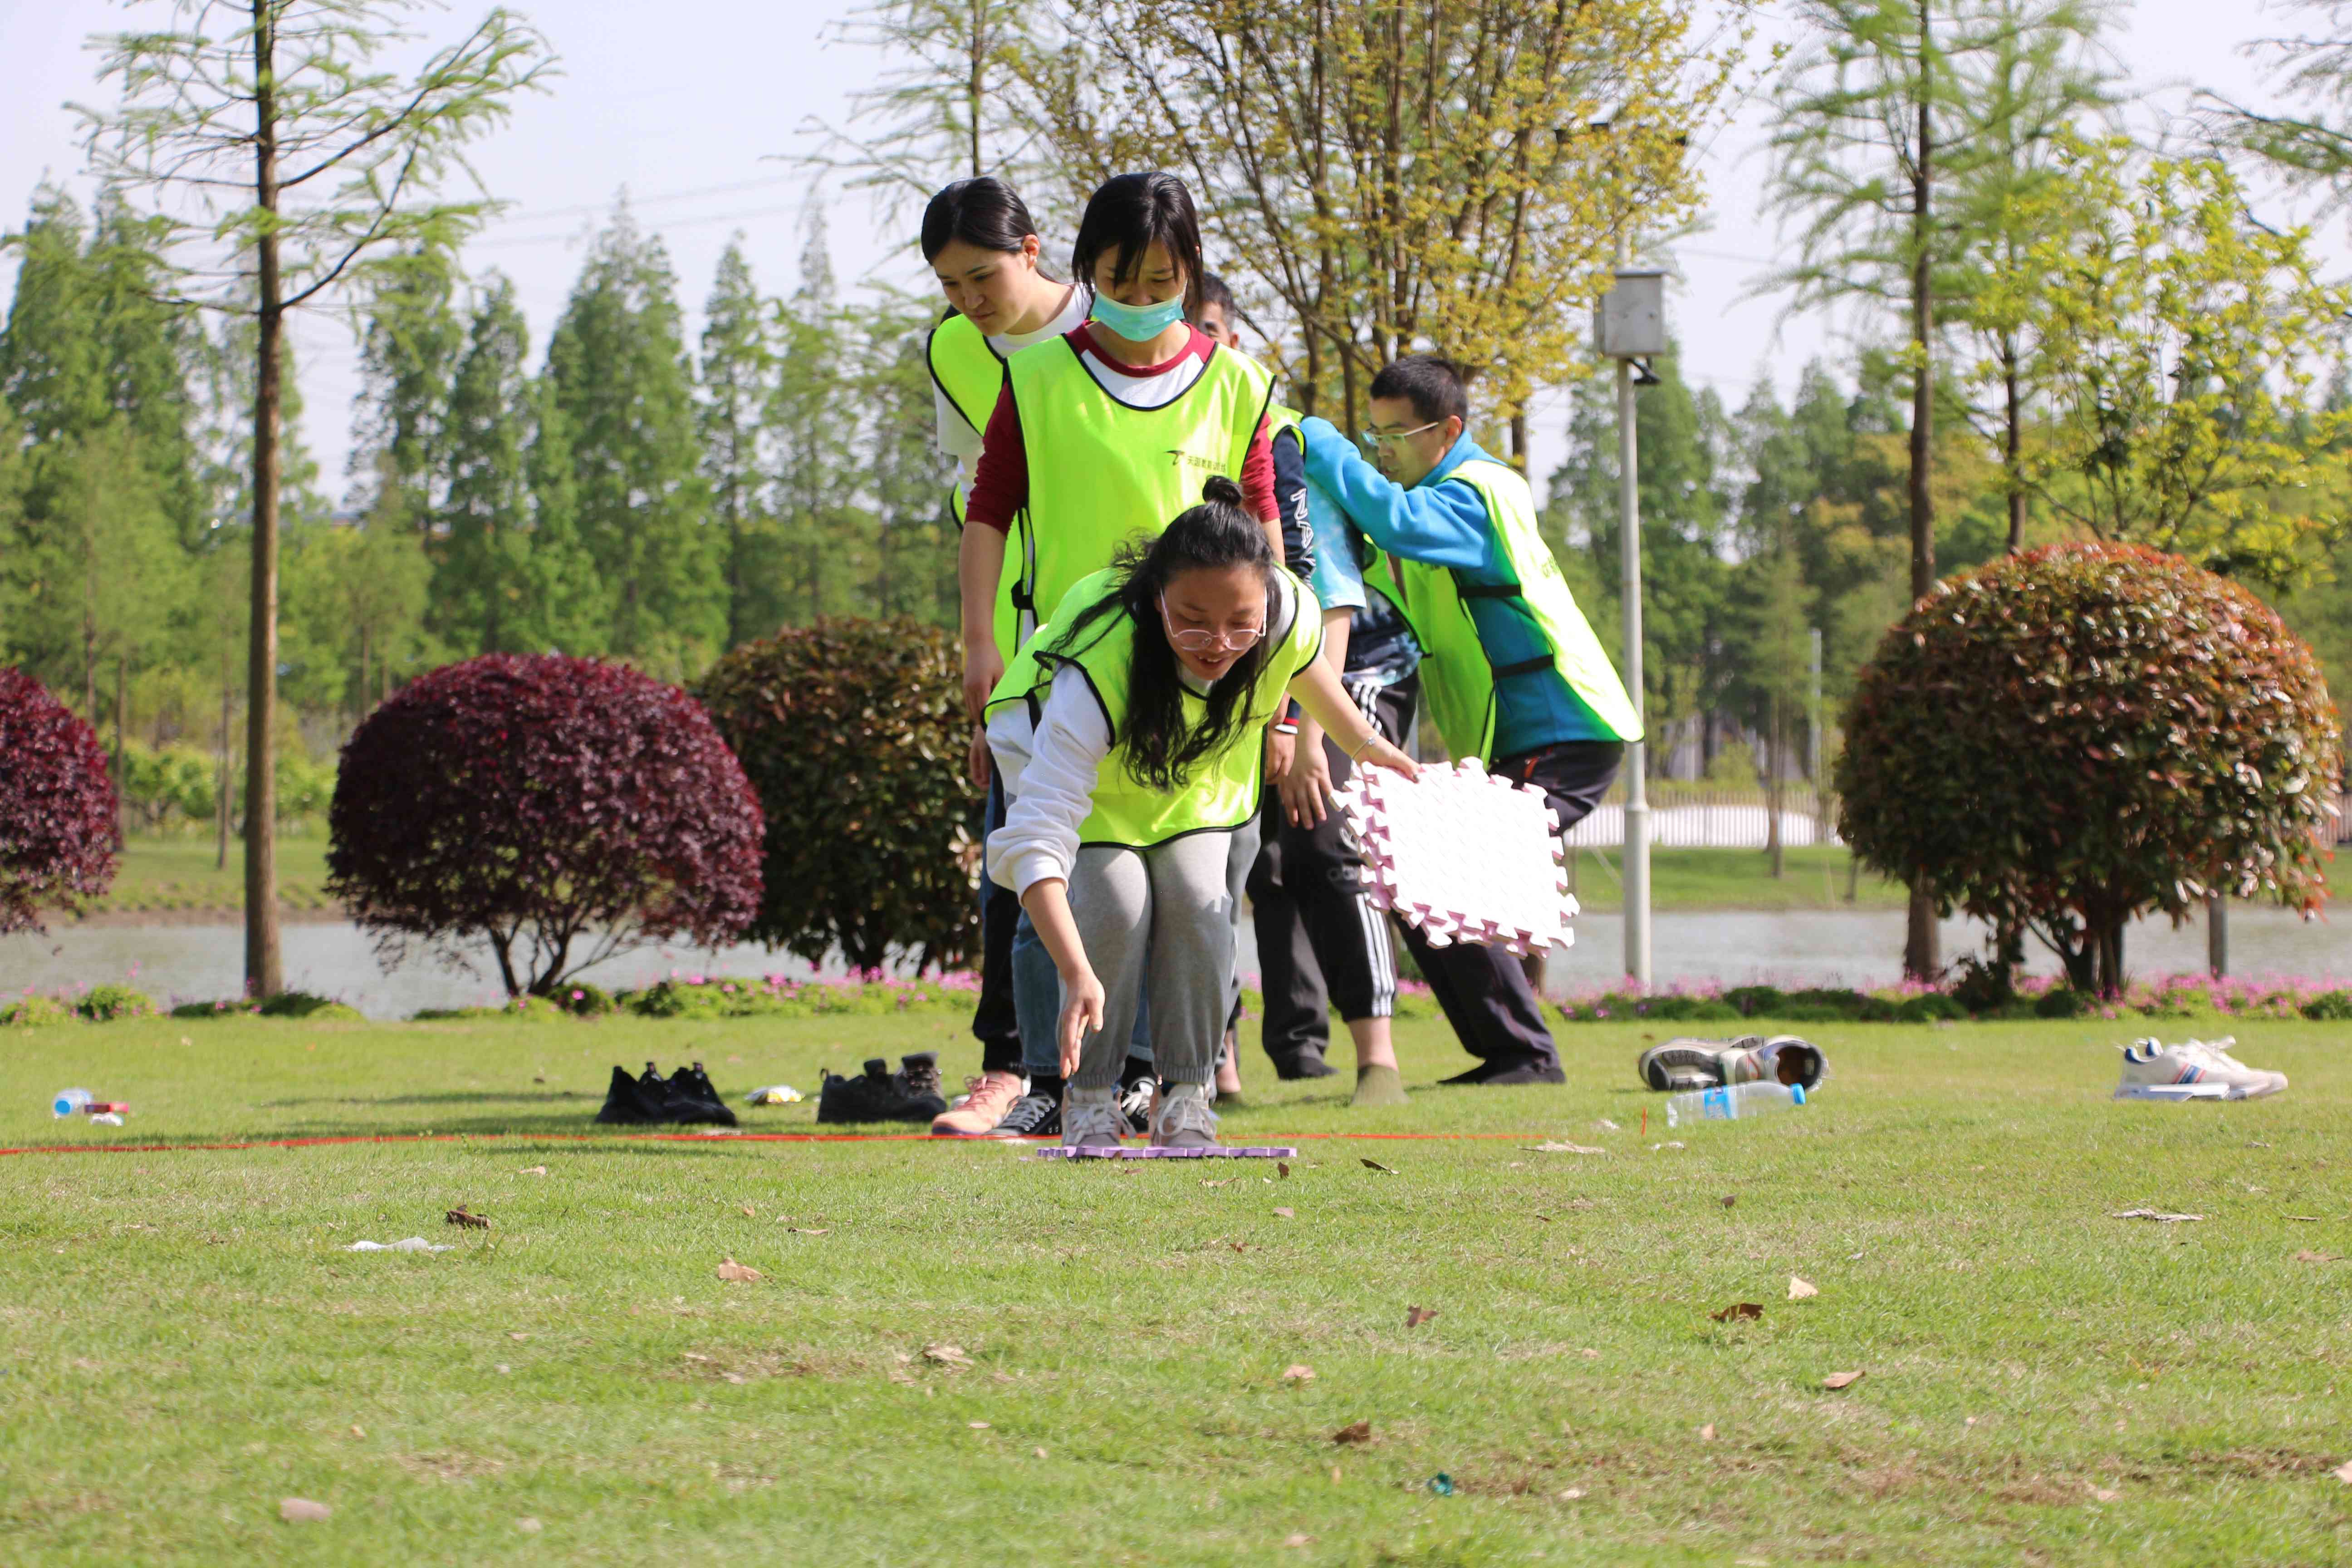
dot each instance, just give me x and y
(984, 213)
(1126, 216)
(1160, 746)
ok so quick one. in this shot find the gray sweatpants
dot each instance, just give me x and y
(1162, 918)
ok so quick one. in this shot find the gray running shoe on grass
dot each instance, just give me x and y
(1685, 1063)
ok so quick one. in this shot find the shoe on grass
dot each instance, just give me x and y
(1685, 1063)
(1031, 1116)
(1185, 1121)
(1091, 1119)
(878, 1094)
(693, 1099)
(1305, 1062)
(983, 1104)
(1135, 1101)
(1379, 1086)
(2193, 1069)
(626, 1104)
(1504, 1072)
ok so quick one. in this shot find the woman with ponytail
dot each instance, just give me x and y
(1129, 731)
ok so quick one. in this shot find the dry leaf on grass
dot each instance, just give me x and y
(736, 1273)
(1728, 1199)
(1842, 1379)
(1041, 1453)
(1545, 1217)
(1571, 1494)
(1801, 1290)
(2307, 1255)
(527, 1525)
(977, 1426)
(516, 1334)
(1238, 1246)
(950, 1356)
(1297, 1540)
(1739, 1311)
(748, 1213)
(1282, 1169)
(1591, 1355)
(2158, 1215)
(1706, 1432)
(469, 1221)
(1354, 1433)
(1549, 1147)
(302, 1511)
(804, 1230)
(1416, 1316)
(532, 1171)
(1286, 1214)
(2102, 1494)
(1224, 1181)
(1299, 1371)
(1376, 1165)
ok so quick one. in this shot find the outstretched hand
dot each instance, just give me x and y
(1378, 753)
(1082, 1015)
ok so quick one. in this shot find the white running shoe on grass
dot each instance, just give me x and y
(2193, 1069)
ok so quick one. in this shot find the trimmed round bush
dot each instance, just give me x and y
(32, 1010)
(2071, 737)
(2064, 1002)
(853, 733)
(105, 1004)
(60, 829)
(560, 809)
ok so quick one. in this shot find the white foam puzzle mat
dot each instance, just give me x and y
(1463, 856)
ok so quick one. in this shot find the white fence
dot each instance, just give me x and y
(1682, 817)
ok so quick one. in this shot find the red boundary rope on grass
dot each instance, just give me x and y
(720, 1138)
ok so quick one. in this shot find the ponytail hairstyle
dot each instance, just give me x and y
(1160, 746)
(1126, 216)
(984, 213)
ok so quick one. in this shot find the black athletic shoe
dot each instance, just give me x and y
(1306, 1063)
(917, 1082)
(626, 1104)
(1032, 1116)
(880, 1095)
(693, 1099)
(1508, 1070)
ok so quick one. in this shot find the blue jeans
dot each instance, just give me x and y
(1037, 1002)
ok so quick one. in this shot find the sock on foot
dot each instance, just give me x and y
(1379, 1086)
(1045, 1083)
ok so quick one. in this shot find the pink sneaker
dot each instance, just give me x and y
(987, 1098)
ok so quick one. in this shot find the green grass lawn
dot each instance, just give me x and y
(172, 874)
(184, 1343)
(158, 874)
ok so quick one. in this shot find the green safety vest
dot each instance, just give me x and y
(968, 369)
(1223, 788)
(1457, 677)
(1101, 473)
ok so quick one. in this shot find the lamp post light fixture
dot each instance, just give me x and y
(1629, 326)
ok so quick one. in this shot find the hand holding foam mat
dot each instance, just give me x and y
(1462, 855)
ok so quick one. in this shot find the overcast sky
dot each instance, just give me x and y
(685, 103)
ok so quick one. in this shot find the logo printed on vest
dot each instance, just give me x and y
(1206, 466)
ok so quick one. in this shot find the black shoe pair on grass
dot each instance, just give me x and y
(910, 1094)
(686, 1095)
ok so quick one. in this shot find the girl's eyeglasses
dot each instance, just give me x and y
(1193, 640)
(1376, 439)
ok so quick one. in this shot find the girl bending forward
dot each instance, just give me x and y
(1130, 733)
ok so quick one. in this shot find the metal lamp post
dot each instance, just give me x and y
(1629, 326)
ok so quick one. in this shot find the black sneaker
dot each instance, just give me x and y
(626, 1103)
(1135, 1102)
(1507, 1070)
(692, 1099)
(1032, 1116)
(1305, 1062)
(917, 1082)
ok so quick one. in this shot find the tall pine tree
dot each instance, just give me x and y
(478, 603)
(738, 379)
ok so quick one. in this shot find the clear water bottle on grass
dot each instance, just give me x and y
(1733, 1102)
(67, 1102)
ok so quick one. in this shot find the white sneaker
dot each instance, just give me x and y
(1184, 1119)
(1091, 1119)
(2192, 1069)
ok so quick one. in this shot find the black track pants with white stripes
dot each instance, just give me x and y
(1320, 889)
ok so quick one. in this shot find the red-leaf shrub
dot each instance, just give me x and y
(561, 809)
(2065, 739)
(59, 823)
(855, 732)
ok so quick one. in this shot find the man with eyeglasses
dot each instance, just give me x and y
(1511, 672)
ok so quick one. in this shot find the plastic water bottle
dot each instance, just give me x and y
(67, 1102)
(1732, 1102)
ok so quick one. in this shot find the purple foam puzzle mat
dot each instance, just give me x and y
(1220, 1152)
(1463, 856)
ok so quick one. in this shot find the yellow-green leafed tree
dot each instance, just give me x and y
(1374, 180)
(2180, 343)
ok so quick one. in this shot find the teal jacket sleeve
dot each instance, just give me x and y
(1442, 524)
